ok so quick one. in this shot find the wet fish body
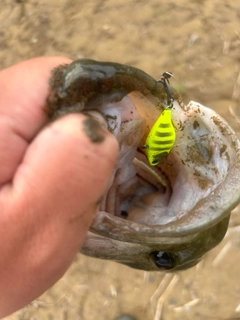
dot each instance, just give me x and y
(164, 217)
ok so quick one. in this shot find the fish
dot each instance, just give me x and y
(167, 216)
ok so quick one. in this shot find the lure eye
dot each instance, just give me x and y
(163, 259)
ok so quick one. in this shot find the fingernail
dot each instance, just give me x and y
(95, 130)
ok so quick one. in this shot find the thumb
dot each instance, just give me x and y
(67, 169)
(52, 200)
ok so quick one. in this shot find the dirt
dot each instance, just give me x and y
(199, 42)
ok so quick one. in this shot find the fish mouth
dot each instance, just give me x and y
(193, 189)
(168, 216)
(161, 217)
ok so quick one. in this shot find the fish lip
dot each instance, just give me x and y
(206, 213)
(139, 255)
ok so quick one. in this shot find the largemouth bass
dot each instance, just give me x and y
(161, 217)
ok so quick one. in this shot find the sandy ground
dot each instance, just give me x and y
(199, 41)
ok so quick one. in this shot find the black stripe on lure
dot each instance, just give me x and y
(162, 136)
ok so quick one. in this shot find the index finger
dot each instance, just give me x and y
(23, 91)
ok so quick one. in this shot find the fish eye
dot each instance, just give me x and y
(163, 259)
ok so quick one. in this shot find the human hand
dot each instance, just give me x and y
(51, 180)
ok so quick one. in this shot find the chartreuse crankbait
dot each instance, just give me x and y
(162, 136)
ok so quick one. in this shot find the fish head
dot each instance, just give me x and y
(161, 217)
(168, 216)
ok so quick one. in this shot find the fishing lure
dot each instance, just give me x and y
(162, 136)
